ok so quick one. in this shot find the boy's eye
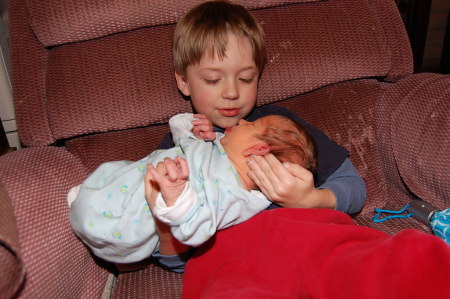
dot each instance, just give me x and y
(211, 82)
(246, 81)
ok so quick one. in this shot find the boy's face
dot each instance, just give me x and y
(223, 89)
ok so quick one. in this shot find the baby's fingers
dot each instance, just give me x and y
(198, 116)
(172, 167)
(184, 169)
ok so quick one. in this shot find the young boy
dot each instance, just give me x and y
(206, 188)
(219, 53)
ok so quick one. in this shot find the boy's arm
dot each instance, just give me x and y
(348, 188)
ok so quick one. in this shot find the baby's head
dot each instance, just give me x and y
(205, 30)
(284, 138)
(219, 53)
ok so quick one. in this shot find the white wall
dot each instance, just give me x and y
(6, 103)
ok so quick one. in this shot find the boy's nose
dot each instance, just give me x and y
(231, 91)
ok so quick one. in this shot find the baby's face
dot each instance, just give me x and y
(223, 89)
(244, 134)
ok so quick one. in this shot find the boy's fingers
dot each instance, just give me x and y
(297, 171)
(161, 168)
(157, 177)
(285, 171)
(263, 170)
(148, 174)
(150, 181)
(259, 176)
(258, 183)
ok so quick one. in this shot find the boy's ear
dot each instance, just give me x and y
(259, 149)
(182, 84)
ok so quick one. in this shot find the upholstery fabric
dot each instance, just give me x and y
(49, 249)
(11, 267)
(61, 24)
(110, 84)
(420, 133)
(396, 38)
(413, 123)
(28, 71)
(349, 47)
(414, 159)
(151, 282)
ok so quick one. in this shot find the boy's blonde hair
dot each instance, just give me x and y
(205, 28)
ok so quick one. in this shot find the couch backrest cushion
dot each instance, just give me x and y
(125, 80)
(71, 21)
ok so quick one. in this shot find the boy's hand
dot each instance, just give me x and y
(287, 184)
(170, 176)
(203, 128)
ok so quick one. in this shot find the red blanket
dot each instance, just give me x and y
(301, 253)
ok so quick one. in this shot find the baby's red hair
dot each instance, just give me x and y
(291, 142)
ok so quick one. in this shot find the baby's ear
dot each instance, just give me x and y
(259, 149)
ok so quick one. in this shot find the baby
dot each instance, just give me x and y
(109, 211)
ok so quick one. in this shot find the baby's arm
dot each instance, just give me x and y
(181, 126)
(191, 125)
(169, 247)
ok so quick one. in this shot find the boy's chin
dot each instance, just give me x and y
(226, 122)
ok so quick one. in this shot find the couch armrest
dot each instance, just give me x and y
(57, 264)
(12, 271)
(413, 122)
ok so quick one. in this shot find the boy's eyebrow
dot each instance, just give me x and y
(216, 69)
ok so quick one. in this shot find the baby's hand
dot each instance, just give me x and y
(203, 128)
(171, 176)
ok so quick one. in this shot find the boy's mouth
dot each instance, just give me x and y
(229, 112)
